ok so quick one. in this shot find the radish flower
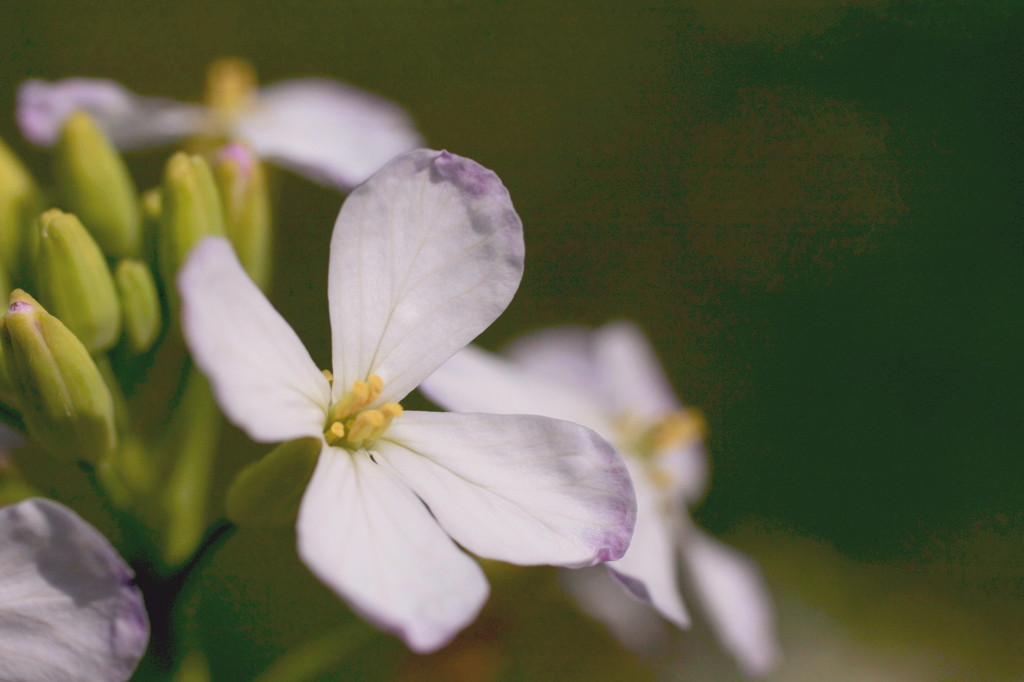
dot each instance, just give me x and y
(610, 380)
(328, 131)
(424, 256)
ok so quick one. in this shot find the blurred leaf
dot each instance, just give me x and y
(269, 491)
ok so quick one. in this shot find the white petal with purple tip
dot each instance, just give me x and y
(522, 489)
(424, 257)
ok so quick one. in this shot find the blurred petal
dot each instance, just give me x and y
(733, 594)
(648, 570)
(563, 354)
(688, 468)
(633, 378)
(474, 380)
(523, 489)
(262, 375)
(424, 257)
(69, 609)
(129, 120)
(600, 595)
(368, 537)
(328, 131)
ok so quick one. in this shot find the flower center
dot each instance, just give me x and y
(230, 88)
(654, 440)
(349, 424)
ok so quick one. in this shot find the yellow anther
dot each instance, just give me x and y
(675, 430)
(334, 433)
(230, 85)
(353, 401)
(328, 375)
(391, 410)
(670, 432)
(351, 424)
(366, 426)
(376, 385)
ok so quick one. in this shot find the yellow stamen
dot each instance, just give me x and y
(675, 430)
(670, 432)
(328, 375)
(351, 424)
(334, 433)
(230, 86)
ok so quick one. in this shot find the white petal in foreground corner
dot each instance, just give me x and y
(69, 609)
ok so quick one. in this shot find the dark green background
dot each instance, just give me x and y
(814, 210)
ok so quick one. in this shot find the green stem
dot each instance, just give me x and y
(313, 658)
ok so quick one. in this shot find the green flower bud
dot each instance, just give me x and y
(5, 282)
(191, 211)
(243, 187)
(140, 303)
(67, 407)
(8, 393)
(75, 281)
(94, 183)
(151, 204)
(20, 203)
(268, 492)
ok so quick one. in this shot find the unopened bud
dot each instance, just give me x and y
(66, 406)
(94, 183)
(75, 281)
(140, 304)
(191, 210)
(20, 203)
(243, 188)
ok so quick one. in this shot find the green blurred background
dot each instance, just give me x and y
(813, 208)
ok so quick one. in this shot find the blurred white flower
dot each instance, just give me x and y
(330, 132)
(610, 380)
(69, 608)
(424, 256)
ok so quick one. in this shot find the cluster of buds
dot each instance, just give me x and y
(89, 340)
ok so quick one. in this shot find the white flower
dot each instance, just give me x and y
(330, 132)
(69, 609)
(424, 257)
(610, 380)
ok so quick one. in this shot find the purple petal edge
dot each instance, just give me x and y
(467, 174)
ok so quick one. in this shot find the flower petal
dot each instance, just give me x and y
(368, 537)
(633, 378)
(131, 121)
(615, 362)
(328, 131)
(600, 595)
(523, 489)
(69, 608)
(735, 599)
(564, 354)
(648, 569)
(262, 375)
(424, 257)
(474, 380)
